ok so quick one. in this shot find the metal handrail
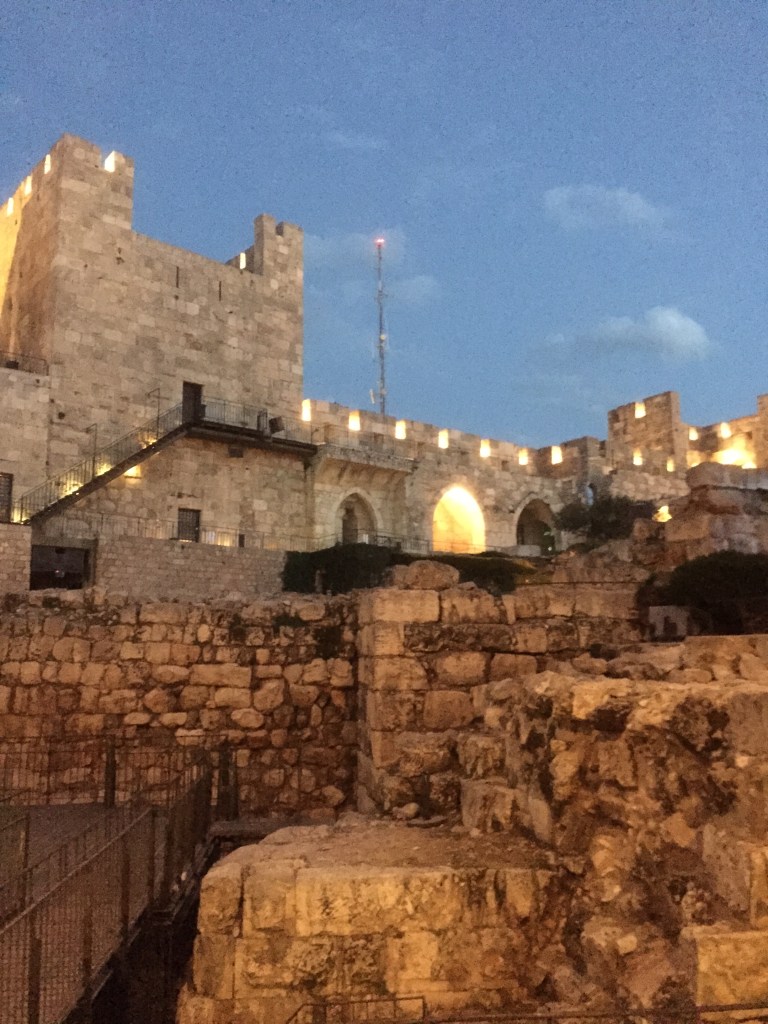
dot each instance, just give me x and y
(22, 361)
(102, 461)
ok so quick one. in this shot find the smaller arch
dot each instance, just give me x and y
(355, 520)
(458, 523)
(536, 526)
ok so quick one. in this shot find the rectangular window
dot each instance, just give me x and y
(189, 524)
(6, 492)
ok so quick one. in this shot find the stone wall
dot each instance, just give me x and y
(134, 315)
(368, 910)
(15, 547)
(644, 774)
(235, 488)
(23, 426)
(727, 510)
(174, 570)
(274, 680)
(428, 655)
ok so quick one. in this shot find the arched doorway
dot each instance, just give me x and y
(458, 523)
(355, 521)
(536, 527)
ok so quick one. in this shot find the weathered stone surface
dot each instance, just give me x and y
(424, 574)
(447, 709)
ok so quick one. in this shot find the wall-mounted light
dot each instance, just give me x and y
(243, 260)
(400, 430)
(110, 164)
(639, 410)
(556, 454)
(637, 457)
(693, 434)
(47, 164)
(9, 208)
(442, 439)
(485, 448)
(354, 420)
(670, 465)
(725, 430)
(522, 458)
(28, 186)
(306, 410)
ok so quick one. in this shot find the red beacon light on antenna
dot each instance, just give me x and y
(379, 242)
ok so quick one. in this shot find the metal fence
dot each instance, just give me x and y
(64, 916)
(401, 1009)
(95, 771)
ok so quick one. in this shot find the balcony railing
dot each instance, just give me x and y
(25, 363)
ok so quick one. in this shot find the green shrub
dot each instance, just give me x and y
(346, 567)
(609, 517)
(727, 592)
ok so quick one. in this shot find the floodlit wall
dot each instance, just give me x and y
(133, 315)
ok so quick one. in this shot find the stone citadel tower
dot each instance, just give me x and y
(153, 397)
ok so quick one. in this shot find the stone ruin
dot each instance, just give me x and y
(578, 827)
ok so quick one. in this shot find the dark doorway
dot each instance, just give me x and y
(63, 568)
(191, 402)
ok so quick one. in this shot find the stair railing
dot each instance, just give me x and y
(102, 461)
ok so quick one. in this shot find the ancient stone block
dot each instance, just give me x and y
(399, 606)
(464, 668)
(220, 675)
(447, 709)
(469, 605)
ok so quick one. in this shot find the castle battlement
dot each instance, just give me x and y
(103, 329)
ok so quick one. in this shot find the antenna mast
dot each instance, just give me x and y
(382, 343)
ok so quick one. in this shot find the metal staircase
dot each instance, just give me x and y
(104, 465)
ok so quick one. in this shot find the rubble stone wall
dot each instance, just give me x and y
(273, 680)
(427, 656)
(645, 776)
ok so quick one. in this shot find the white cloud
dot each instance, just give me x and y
(353, 250)
(595, 206)
(355, 141)
(414, 291)
(661, 331)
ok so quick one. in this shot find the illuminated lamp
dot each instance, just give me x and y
(662, 514)
(485, 448)
(47, 164)
(556, 454)
(670, 465)
(9, 208)
(522, 458)
(637, 457)
(306, 411)
(243, 260)
(28, 186)
(354, 420)
(400, 430)
(693, 434)
(442, 439)
(110, 164)
(639, 410)
(725, 430)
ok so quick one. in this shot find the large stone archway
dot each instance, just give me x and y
(536, 527)
(458, 523)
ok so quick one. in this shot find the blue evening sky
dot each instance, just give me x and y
(573, 192)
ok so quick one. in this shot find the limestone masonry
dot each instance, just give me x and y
(153, 394)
